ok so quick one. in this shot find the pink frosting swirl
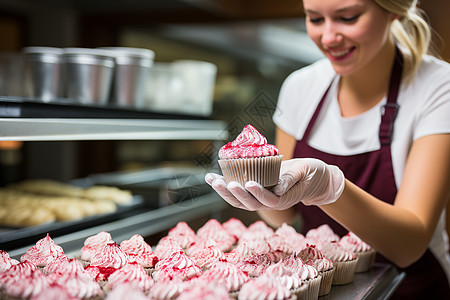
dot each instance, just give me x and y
(43, 252)
(135, 245)
(178, 265)
(208, 256)
(23, 286)
(314, 257)
(132, 272)
(181, 228)
(228, 274)
(264, 288)
(6, 262)
(203, 289)
(94, 244)
(214, 230)
(56, 264)
(168, 289)
(249, 143)
(78, 284)
(353, 243)
(296, 265)
(166, 246)
(54, 292)
(290, 279)
(234, 227)
(126, 290)
(323, 233)
(110, 257)
(336, 252)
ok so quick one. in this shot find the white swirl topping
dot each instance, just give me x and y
(353, 243)
(336, 252)
(110, 257)
(43, 252)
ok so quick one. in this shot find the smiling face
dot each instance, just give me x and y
(351, 33)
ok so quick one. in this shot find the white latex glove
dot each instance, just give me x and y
(310, 181)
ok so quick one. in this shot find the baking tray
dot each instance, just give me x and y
(151, 189)
(15, 237)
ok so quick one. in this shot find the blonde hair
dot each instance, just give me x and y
(410, 31)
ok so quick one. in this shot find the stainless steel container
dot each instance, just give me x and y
(88, 74)
(42, 72)
(131, 75)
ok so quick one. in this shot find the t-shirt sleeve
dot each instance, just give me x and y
(434, 113)
(299, 96)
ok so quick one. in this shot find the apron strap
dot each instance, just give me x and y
(390, 109)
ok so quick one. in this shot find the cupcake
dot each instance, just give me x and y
(44, 252)
(183, 234)
(214, 230)
(265, 287)
(250, 158)
(249, 261)
(93, 245)
(78, 284)
(205, 290)
(177, 265)
(312, 256)
(365, 253)
(132, 272)
(235, 227)
(208, 257)
(307, 273)
(22, 281)
(106, 262)
(344, 261)
(54, 292)
(288, 278)
(126, 290)
(6, 262)
(321, 234)
(168, 289)
(141, 252)
(227, 274)
(166, 246)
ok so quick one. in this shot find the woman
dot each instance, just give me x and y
(374, 116)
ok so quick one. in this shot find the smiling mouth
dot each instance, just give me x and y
(339, 54)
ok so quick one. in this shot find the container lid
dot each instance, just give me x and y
(42, 50)
(86, 51)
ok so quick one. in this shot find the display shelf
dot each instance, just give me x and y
(28, 120)
(145, 224)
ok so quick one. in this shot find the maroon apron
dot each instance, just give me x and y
(373, 172)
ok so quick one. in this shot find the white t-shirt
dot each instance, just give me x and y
(424, 110)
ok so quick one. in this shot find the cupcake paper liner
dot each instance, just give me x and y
(366, 260)
(312, 292)
(326, 283)
(264, 170)
(344, 271)
(301, 292)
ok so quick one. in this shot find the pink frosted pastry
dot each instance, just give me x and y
(344, 261)
(63, 264)
(179, 265)
(265, 287)
(168, 289)
(208, 256)
(139, 251)
(214, 230)
(257, 231)
(365, 253)
(280, 247)
(235, 227)
(312, 256)
(258, 246)
(6, 262)
(250, 158)
(106, 262)
(199, 245)
(288, 278)
(306, 272)
(249, 261)
(166, 246)
(54, 292)
(227, 274)
(323, 233)
(43, 252)
(22, 282)
(94, 244)
(183, 235)
(132, 272)
(205, 290)
(78, 284)
(126, 290)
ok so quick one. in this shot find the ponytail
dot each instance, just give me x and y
(410, 31)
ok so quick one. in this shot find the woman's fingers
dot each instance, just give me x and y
(264, 196)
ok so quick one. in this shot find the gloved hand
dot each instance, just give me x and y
(310, 181)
